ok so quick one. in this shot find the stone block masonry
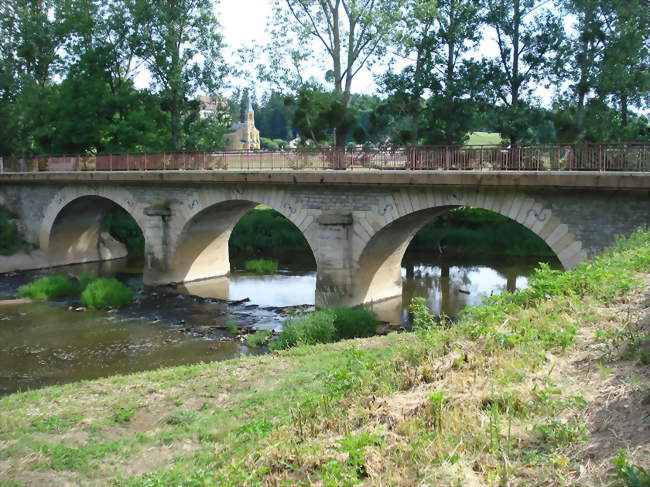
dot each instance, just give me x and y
(358, 224)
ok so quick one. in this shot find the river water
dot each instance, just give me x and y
(51, 343)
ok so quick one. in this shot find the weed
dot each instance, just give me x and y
(437, 401)
(626, 474)
(354, 322)
(317, 327)
(182, 418)
(55, 424)
(254, 429)
(85, 278)
(258, 338)
(123, 414)
(233, 327)
(49, 287)
(557, 433)
(261, 266)
(106, 293)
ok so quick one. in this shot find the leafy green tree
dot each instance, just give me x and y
(625, 72)
(351, 32)
(528, 38)
(180, 45)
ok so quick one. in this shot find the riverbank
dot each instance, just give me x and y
(540, 387)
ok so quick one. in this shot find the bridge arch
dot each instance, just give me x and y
(380, 253)
(71, 230)
(200, 235)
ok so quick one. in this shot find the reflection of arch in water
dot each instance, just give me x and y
(201, 248)
(72, 232)
(379, 264)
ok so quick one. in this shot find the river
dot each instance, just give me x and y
(50, 343)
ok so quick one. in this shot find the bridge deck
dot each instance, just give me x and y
(542, 179)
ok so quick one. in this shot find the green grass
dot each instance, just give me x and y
(106, 293)
(261, 266)
(258, 338)
(484, 138)
(496, 398)
(326, 326)
(49, 287)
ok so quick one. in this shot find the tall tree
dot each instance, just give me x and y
(434, 38)
(180, 44)
(625, 73)
(351, 32)
(528, 38)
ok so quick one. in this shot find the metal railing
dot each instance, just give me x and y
(560, 157)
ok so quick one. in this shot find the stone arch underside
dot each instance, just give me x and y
(379, 253)
(75, 235)
(201, 227)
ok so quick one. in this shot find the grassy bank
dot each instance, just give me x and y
(547, 386)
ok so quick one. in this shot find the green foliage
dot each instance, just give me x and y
(558, 433)
(106, 293)
(49, 287)
(182, 418)
(265, 229)
(232, 327)
(10, 240)
(258, 338)
(470, 229)
(627, 474)
(124, 228)
(327, 325)
(317, 327)
(85, 278)
(354, 322)
(123, 414)
(261, 266)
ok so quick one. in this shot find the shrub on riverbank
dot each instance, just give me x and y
(261, 266)
(326, 326)
(9, 237)
(258, 338)
(355, 322)
(106, 293)
(49, 287)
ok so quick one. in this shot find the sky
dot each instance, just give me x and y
(244, 24)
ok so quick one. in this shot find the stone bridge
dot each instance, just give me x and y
(358, 224)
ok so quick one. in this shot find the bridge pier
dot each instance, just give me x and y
(333, 253)
(156, 245)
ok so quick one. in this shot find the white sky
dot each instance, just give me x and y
(244, 24)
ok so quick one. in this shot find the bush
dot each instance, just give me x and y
(104, 293)
(85, 278)
(258, 338)
(354, 322)
(317, 327)
(50, 287)
(261, 266)
(9, 238)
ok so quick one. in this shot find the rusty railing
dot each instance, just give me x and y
(559, 157)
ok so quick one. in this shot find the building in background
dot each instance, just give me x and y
(244, 135)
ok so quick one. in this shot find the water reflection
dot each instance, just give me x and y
(45, 343)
